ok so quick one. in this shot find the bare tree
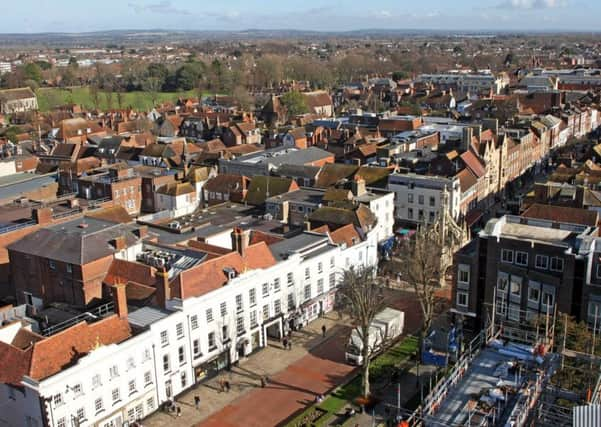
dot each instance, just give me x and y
(152, 86)
(361, 296)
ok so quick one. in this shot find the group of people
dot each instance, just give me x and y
(224, 385)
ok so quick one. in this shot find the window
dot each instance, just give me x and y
(131, 386)
(164, 338)
(291, 302)
(594, 312)
(225, 336)
(432, 216)
(409, 197)
(319, 267)
(332, 262)
(556, 264)
(515, 286)
(463, 274)
(420, 215)
(209, 315)
(183, 378)
(181, 355)
(166, 366)
(507, 256)
(332, 280)
(253, 319)
(81, 414)
(521, 258)
(534, 292)
(139, 411)
(58, 400)
(239, 305)
(196, 347)
(307, 273)
(307, 293)
(432, 201)
(502, 282)
(150, 404)
(223, 309)
(146, 355)
(240, 325)
(420, 199)
(98, 405)
(265, 289)
(114, 371)
(96, 382)
(265, 312)
(290, 279)
(130, 363)
(194, 321)
(211, 338)
(252, 297)
(542, 262)
(514, 312)
(61, 422)
(147, 378)
(548, 298)
(115, 395)
(276, 284)
(52, 265)
(77, 389)
(320, 287)
(598, 271)
(462, 299)
(277, 306)
(179, 330)
(69, 268)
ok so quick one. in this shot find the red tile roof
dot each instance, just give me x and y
(473, 163)
(346, 234)
(562, 214)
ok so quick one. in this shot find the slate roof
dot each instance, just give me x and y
(259, 186)
(70, 243)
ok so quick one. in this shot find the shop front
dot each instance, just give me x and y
(212, 367)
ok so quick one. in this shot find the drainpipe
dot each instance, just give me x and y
(190, 350)
(156, 377)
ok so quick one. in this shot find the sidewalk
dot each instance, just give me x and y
(314, 365)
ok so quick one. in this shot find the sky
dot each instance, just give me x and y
(32, 16)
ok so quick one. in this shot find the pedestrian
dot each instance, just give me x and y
(227, 386)
(285, 342)
(290, 344)
(263, 382)
(197, 402)
(221, 386)
(323, 330)
(179, 411)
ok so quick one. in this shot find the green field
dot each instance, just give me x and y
(51, 97)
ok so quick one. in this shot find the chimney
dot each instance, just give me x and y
(118, 243)
(358, 186)
(240, 240)
(162, 287)
(42, 216)
(120, 299)
(141, 231)
(307, 225)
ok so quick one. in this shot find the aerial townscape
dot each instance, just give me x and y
(204, 224)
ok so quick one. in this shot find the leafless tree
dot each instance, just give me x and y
(361, 296)
(422, 266)
(152, 86)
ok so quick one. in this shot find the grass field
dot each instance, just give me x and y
(52, 97)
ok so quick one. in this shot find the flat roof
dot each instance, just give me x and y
(12, 186)
(305, 243)
(304, 194)
(146, 316)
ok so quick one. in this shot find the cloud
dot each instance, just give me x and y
(532, 4)
(163, 7)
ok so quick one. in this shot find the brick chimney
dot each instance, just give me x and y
(162, 286)
(240, 240)
(358, 186)
(120, 299)
(118, 243)
(141, 231)
(42, 216)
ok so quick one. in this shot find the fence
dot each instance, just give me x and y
(98, 312)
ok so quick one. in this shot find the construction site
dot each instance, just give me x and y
(544, 371)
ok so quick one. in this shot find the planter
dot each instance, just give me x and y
(311, 418)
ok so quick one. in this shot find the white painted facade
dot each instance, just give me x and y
(180, 205)
(381, 203)
(419, 198)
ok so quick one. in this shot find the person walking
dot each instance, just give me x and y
(197, 402)
(290, 344)
(227, 386)
(323, 330)
(285, 343)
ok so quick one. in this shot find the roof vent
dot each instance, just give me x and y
(83, 225)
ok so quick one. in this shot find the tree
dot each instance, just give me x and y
(294, 103)
(33, 72)
(73, 62)
(241, 95)
(95, 95)
(422, 268)
(152, 85)
(362, 297)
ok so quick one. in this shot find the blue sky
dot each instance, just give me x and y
(93, 15)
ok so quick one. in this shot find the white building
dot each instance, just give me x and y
(179, 197)
(381, 203)
(419, 198)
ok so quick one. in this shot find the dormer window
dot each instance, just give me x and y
(229, 272)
